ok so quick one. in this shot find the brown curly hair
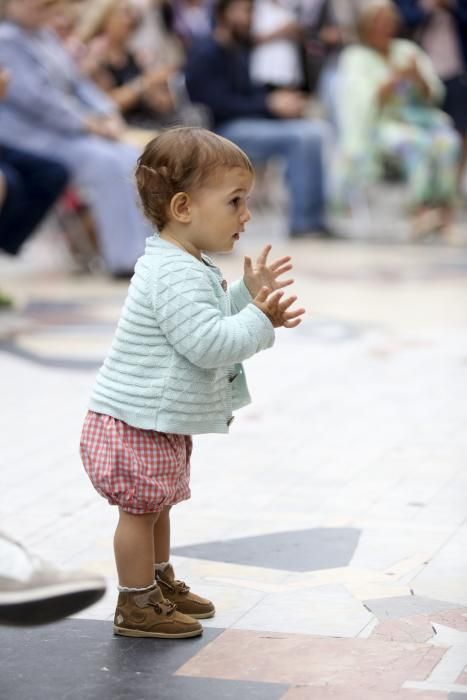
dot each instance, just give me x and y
(182, 159)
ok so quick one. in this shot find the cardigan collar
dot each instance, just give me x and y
(155, 243)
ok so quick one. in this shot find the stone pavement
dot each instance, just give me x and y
(329, 527)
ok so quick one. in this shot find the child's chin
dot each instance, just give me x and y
(229, 246)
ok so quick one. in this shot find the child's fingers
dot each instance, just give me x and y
(278, 263)
(292, 324)
(274, 298)
(247, 265)
(286, 283)
(287, 302)
(293, 314)
(263, 256)
(262, 294)
(282, 270)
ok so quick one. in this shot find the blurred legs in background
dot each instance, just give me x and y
(300, 143)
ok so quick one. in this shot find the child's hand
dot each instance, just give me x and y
(276, 310)
(264, 275)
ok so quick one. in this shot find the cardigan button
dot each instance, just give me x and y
(231, 420)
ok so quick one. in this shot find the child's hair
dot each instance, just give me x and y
(182, 160)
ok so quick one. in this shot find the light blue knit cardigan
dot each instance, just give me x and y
(174, 364)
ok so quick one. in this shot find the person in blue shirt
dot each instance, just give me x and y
(53, 111)
(263, 123)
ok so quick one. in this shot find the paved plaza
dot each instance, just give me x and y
(329, 527)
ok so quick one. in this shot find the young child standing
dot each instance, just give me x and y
(174, 367)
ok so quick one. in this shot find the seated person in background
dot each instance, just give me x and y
(440, 27)
(387, 110)
(29, 186)
(62, 19)
(262, 124)
(328, 26)
(192, 19)
(276, 59)
(141, 93)
(155, 38)
(53, 111)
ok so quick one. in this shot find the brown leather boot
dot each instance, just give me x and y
(179, 593)
(148, 614)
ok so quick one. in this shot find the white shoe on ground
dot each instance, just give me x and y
(33, 592)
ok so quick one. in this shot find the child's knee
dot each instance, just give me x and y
(144, 520)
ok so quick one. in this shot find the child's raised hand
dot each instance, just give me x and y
(271, 304)
(263, 275)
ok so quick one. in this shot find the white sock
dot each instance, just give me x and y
(124, 589)
(162, 565)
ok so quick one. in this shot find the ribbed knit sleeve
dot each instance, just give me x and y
(187, 312)
(239, 296)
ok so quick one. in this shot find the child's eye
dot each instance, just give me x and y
(235, 201)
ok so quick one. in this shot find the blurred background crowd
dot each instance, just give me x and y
(337, 94)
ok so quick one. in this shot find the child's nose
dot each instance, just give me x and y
(246, 216)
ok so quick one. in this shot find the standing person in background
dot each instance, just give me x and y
(53, 111)
(264, 124)
(440, 27)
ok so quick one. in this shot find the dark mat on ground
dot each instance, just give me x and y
(81, 659)
(302, 550)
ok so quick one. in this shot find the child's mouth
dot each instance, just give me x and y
(236, 236)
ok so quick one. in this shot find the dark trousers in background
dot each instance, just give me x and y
(33, 184)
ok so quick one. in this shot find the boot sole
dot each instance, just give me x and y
(123, 632)
(201, 616)
(42, 607)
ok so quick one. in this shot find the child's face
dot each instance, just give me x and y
(219, 211)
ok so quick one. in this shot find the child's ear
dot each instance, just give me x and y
(180, 207)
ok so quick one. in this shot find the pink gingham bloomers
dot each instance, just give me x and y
(139, 470)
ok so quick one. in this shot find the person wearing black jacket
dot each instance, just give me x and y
(265, 124)
(29, 186)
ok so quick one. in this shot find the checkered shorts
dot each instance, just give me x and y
(139, 470)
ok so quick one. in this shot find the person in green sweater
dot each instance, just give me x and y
(174, 368)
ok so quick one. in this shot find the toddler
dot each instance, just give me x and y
(174, 368)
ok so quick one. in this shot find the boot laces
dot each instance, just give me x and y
(164, 607)
(175, 585)
(181, 586)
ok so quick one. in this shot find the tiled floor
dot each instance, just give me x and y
(329, 526)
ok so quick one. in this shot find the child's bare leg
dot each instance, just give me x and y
(138, 613)
(134, 549)
(174, 590)
(162, 536)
